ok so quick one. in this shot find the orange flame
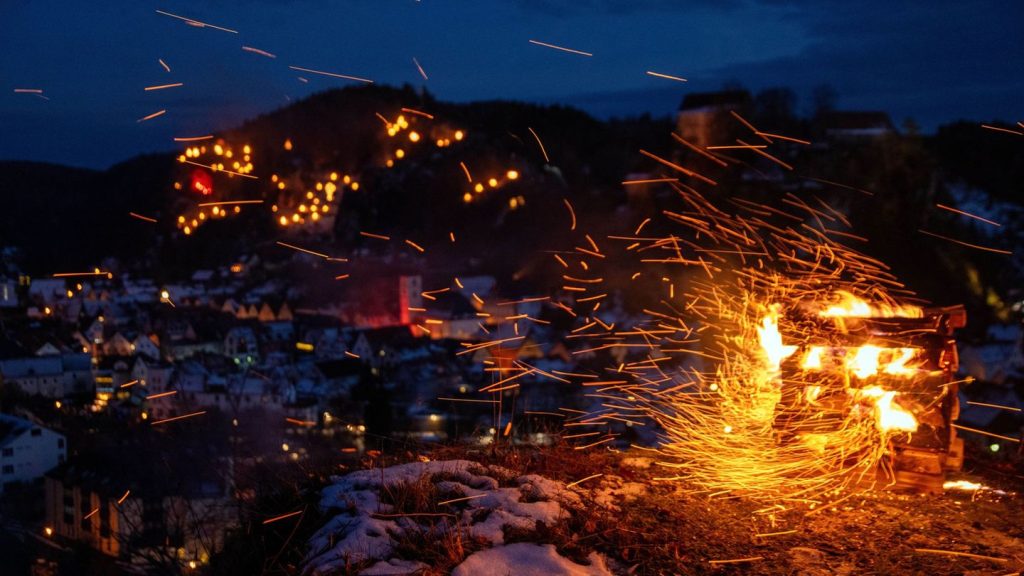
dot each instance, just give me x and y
(889, 416)
(771, 342)
(853, 307)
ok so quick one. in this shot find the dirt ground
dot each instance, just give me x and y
(648, 527)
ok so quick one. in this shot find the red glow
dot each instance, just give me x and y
(202, 182)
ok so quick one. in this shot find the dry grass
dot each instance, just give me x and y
(668, 529)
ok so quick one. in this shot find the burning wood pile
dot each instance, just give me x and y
(779, 363)
(899, 363)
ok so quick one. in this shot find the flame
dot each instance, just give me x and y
(851, 306)
(812, 361)
(864, 363)
(889, 416)
(898, 366)
(965, 485)
(771, 342)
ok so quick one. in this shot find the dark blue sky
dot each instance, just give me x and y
(934, 61)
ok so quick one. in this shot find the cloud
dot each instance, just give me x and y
(619, 7)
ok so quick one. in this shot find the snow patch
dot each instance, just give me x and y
(524, 559)
(365, 526)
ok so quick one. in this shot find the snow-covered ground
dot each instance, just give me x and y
(485, 502)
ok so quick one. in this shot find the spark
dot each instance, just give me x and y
(293, 247)
(998, 406)
(648, 181)
(73, 274)
(749, 126)
(163, 86)
(582, 480)
(968, 214)
(127, 384)
(463, 499)
(282, 517)
(212, 169)
(766, 155)
(123, 498)
(838, 185)
(165, 420)
(258, 51)
(699, 150)
(377, 236)
(161, 395)
(666, 76)
(572, 213)
(197, 23)
(141, 217)
(164, 64)
(418, 113)
(541, 144)
(675, 166)
(28, 90)
(193, 138)
(229, 203)
(90, 514)
(342, 277)
(984, 433)
(332, 74)
(593, 444)
(967, 244)
(298, 422)
(471, 400)
(786, 138)
(420, 68)
(1007, 130)
(415, 245)
(961, 554)
(735, 560)
(151, 116)
(466, 170)
(546, 45)
(740, 146)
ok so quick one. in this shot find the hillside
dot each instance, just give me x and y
(62, 218)
(558, 511)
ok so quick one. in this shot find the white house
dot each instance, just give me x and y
(27, 451)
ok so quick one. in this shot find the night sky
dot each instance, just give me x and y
(933, 61)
